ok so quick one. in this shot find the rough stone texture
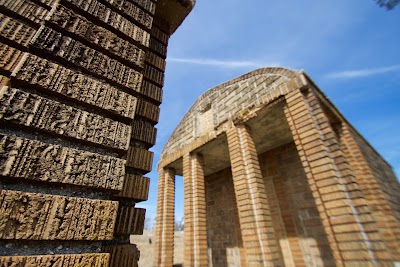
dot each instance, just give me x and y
(107, 40)
(28, 159)
(37, 112)
(300, 186)
(71, 75)
(15, 30)
(25, 8)
(223, 226)
(130, 221)
(135, 187)
(72, 260)
(144, 131)
(114, 19)
(87, 58)
(74, 85)
(139, 158)
(123, 255)
(46, 217)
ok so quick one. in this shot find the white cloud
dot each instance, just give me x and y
(220, 63)
(349, 74)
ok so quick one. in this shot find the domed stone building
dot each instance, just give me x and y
(274, 175)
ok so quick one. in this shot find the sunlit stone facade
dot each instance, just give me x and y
(274, 175)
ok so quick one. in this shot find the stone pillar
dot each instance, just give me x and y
(195, 233)
(349, 226)
(164, 235)
(254, 212)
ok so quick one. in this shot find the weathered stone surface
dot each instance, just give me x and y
(23, 158)
(144, 131)
(123, 255)
(151, 90)
(147, 110)
(33, 216)
(15, 30)
(74, 85)
(145, 4)
(49, 3)
(68, 260)
(74, 23)
(115, 19)
(135, 187)
(139, 158)
(130, 221)
(26, 8)
(85, 57)
(158, 47)
(159, 35)
(153, 74)
(155, 60)
(134, 12)
(4, 81)
(9, 58)
(26, 109)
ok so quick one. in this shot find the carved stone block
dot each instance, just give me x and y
(148, 110)
(26, 109)
(9, 58)
(123, 255)
(135, 187)
(74, 85)
(27, 9)
(4, 81)
(151, 90)
(49, 3)
(32, 216)
(134, 12)
(144, 131)
(145, 4)
(153, 74)
(15, 30)
(155, 60)
(114, 19)
(159, 35)
(68, 260)
(139, 158)
(158, 47)
(34, 160)
(130, 221)
(83, 56)
(74, 23)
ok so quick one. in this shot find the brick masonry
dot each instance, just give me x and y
(297, 185)
(80, 86)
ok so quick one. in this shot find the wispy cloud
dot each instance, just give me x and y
(349, 74)
(221, 63)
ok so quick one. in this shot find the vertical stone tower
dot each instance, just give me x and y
(80, 86)
(274, 175)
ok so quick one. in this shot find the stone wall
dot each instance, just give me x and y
(224, 237)
(80, 86)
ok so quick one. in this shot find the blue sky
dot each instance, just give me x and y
(350, 48)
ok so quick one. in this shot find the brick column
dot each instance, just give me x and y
(164, 233)
(350, 228)
(254, 212)
(195, 233)
(378, 199)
